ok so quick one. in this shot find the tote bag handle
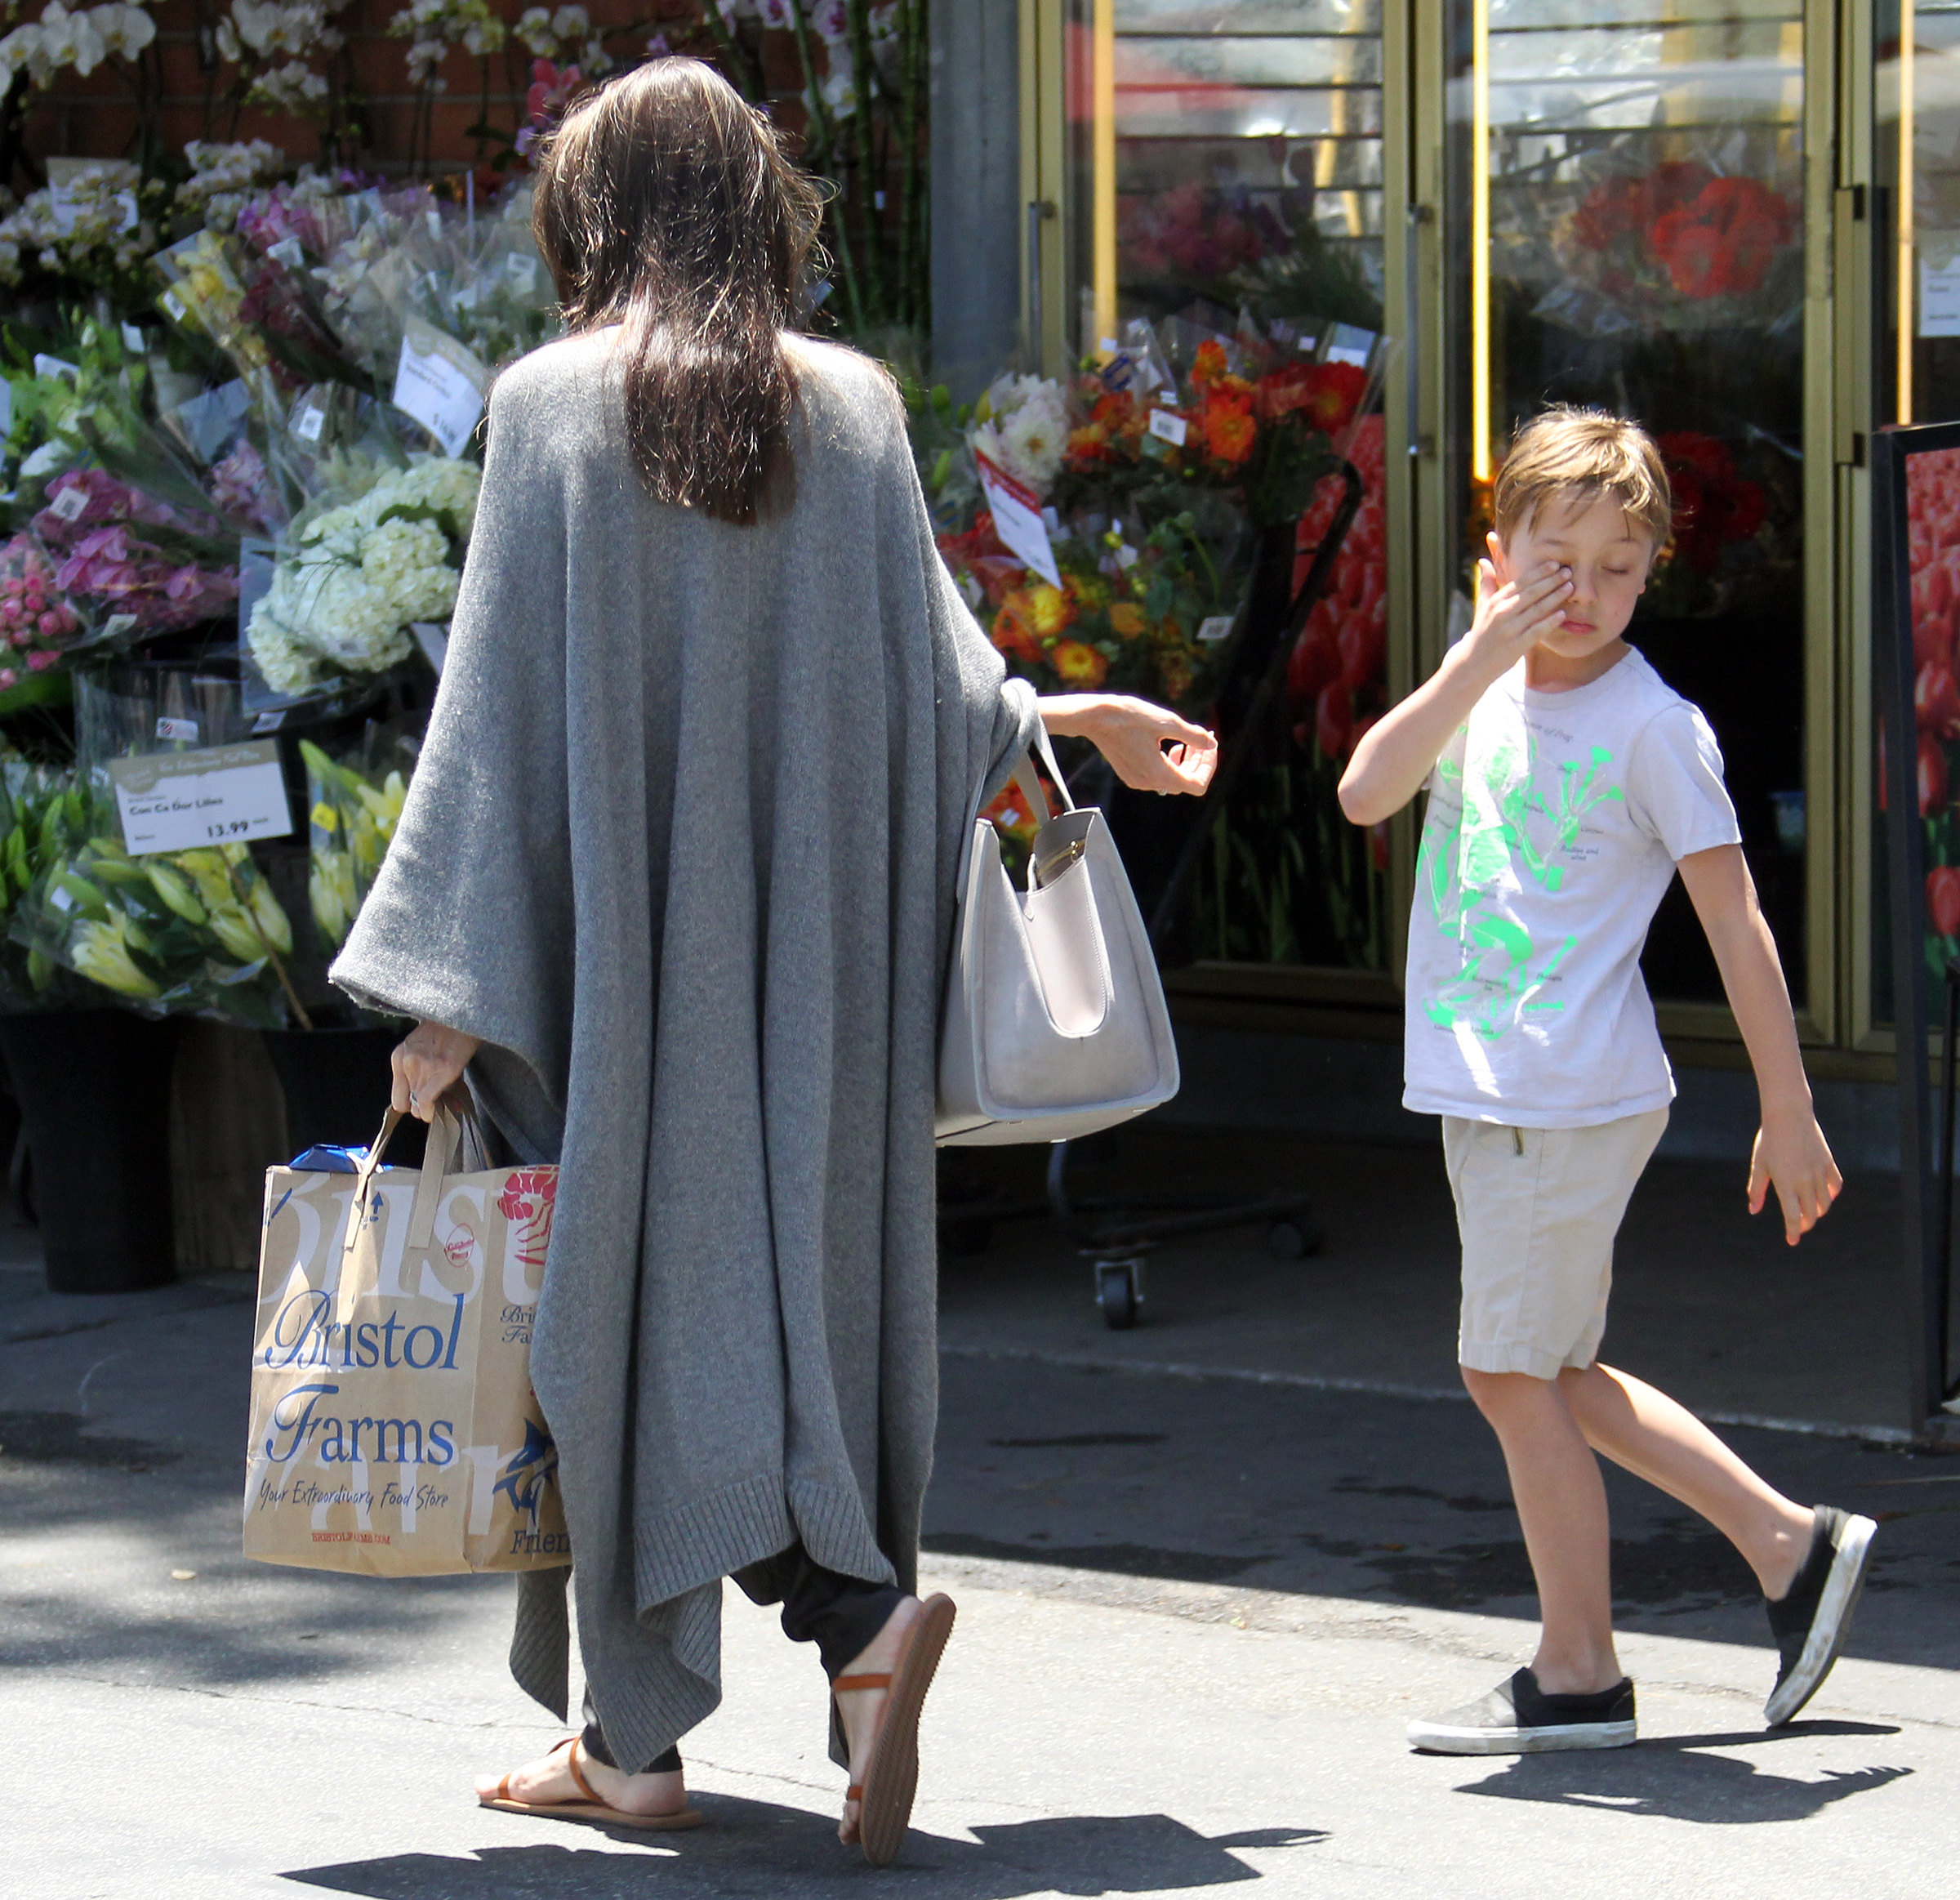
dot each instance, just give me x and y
(447, 1128)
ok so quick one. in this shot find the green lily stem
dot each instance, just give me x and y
(272, 956)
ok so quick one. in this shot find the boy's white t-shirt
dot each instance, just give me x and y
(1554, 823)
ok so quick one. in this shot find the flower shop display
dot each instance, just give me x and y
(356, 576)
(1652, 235)
(179, 932)
(1933, 559)
(1104, 534)
(355, 804)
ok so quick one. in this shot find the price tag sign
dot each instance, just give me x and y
(1017, 512)
(441, 384)
(225, 795)
(1167, 425)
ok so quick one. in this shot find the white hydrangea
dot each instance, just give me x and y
(408, 561)
(343, 598)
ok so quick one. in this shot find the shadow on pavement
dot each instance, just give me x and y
(1088, 1855)
(1672, 1778)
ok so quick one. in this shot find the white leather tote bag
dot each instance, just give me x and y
(1054, 1024)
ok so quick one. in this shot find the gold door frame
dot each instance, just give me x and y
(1839, 306)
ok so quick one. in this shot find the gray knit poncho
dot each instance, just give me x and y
(680, 851)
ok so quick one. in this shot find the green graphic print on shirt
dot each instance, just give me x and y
(1490, 838)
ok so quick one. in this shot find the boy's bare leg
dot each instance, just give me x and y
(1561, 1504)
(1657, 1440)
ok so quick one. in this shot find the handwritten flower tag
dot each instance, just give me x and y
(441, 383)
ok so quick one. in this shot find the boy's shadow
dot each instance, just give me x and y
(1673, 1777)
(1085, 1855)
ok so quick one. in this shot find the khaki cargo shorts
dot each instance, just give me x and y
(1538, 1209)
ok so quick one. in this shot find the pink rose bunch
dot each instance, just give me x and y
(36, 621)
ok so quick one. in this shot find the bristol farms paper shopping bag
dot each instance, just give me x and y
(394, 1428)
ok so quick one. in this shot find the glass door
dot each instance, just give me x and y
(1222, 183)
(1631, 220)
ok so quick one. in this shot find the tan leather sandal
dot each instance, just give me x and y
(891, 1773)
(592, 1810)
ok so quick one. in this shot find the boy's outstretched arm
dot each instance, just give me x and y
(1791, 1154)
(1396, 753)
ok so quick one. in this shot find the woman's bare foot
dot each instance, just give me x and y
(549, 1778)
(859, 1710)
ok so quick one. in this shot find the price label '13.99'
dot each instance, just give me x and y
(224, 795)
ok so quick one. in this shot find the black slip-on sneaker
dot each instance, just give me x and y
(1519, 1718)
(1811, 1620)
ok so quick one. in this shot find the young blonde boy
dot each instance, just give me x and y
(1567, 786)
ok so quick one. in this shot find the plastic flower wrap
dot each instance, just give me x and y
(196, 932)
(1706, 236)
(132, 560)
(1147, 486)
(356, 802)
(38, 621)
(43, 816)
(352, 579)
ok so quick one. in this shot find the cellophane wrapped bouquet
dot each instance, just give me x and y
(1151, 475)
(194, 932)
(354, 575)
(355, 802)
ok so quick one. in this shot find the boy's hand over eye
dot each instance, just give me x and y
(1793, 1156)
(1513, 618)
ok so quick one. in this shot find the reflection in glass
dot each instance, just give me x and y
(1226, 167)
(1628, 181)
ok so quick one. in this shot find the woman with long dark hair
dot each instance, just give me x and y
(673, 887)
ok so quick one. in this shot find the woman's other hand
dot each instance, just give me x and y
(428, 1061)
(1147, 746)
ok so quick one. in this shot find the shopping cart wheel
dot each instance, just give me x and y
(1119, 1293)
(1294, 1239)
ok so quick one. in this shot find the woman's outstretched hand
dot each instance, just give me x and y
(428, 1061)
(1147, 746)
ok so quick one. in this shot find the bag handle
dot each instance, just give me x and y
(447, 1127)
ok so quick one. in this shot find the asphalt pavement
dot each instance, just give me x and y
(1196, 1606)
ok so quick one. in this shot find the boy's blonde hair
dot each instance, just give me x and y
(1582, 454)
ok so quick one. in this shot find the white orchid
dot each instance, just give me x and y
(81, 37)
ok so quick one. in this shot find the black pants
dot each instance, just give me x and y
(841, 1615)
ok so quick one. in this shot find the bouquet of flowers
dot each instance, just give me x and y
(1644, 244)
(354, 577)
(356, 802)
(1105, 533)
(43, 816)
(196, 932)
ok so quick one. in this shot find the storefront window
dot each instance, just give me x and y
(1226, 181)
(1625, 223)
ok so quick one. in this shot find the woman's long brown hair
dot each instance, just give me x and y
(666, 205)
